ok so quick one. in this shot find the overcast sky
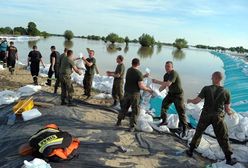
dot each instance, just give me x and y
(211, 22)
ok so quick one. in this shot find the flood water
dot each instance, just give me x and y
(194, 66)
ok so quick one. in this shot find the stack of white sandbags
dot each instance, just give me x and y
(7, 96)
(1, 67)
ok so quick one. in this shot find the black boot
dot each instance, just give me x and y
(35, 80)
(118, 123)
(230, 161)
(190, 152)
(48, 83)
(63, 102)
(115, 103)
(164, 122)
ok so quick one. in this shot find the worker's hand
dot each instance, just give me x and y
(189, 101)
(146, 75)
(108, 73)
(84, 58)
(80, 73)
(44, 66)
(230, 113)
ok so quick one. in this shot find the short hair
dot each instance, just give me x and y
(120, 57)
(53, 47)
(218, 74)
(169, 62)
(34, 47)
(135, 62)
(69, 53)
(65, 50)
(11, 42)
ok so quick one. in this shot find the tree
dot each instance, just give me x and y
(112, 37)
(146, 40)
(180, 43)
(20, 31)
(44, 34)
(68, 34)
(32, 30)
(127, 40)
(121, 40)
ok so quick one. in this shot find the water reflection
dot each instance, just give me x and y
(112, 48)
(68, 44)
(145, 52)
(32, 43)
(126, 49)
(178, 54)
(159, 48)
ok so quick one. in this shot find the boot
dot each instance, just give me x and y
(63, 102)
(48, 83)
(164, 122)
(115, 103)
(190, 152)
(230, 161)
(35, 80)
(118, 123)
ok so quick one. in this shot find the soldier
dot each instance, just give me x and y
(35, 58)
(90, 64)
(3, 49)
(12, 56)
(216, 101)
(57, 83)
(54, 63)
(65, 71)
(117, 89)
(134, 83)
(175, 95)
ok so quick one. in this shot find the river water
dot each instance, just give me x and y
(194, 66)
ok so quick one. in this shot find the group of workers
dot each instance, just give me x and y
(216, 98)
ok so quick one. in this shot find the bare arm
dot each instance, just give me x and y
(17, 56)
(194, 101)
(142, 86)
(77, 70)
(227, 109)
(164, 85)
(53, 61)
(87, 62)
(42, 63)
(29, 60)
(115, 75)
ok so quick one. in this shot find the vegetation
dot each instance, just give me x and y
(68, 35)
(31, 30)
(93, 37)
(238, 49)
(127, 40)
(146, 40)
(112, 37)
(180, 43)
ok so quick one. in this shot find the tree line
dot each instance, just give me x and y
(238, 49)
(145, 40)
(30, 30)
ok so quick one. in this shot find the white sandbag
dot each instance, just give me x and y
(36, 163)
(28, 90)
(240, 152)
(31, 114)
(7, 97)
(102, 96)
(144, 126)
(223, 164)
(1, 67)
(173, 121)
(80, 64)
(232, 120)
(163, 128)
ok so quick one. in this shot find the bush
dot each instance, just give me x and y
(112, 37)
(180, 43)
(146, 40)
(68, 35)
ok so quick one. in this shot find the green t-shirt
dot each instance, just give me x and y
(120, 69)
(215, 97)
(175, 88)
(133, 77)
(66, 66)
(90, 70)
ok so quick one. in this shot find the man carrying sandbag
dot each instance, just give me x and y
(216, 101)
(52, 144)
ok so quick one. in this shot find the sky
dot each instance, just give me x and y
(208, 22)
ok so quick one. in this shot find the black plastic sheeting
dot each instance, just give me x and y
(70, 119)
